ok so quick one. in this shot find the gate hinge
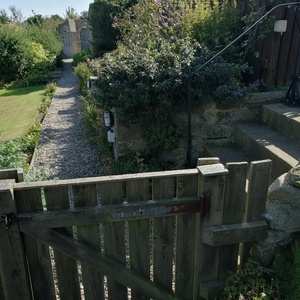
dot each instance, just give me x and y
(7, 220)
(205, 204)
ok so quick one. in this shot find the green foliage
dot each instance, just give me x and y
(12, 154)
(83, 74)
(93, 117)
(71, 13)
(48, 37)
(259, 32)
(15, 55)
(214, 24)
(287, 270)
(81, 56)
(145, 78)
(136, 163)
(251, 282)
(101, 18)
(141, 75)
(27, 53)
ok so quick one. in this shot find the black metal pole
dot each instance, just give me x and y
(189, 126)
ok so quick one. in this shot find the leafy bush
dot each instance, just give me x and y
(101, 19)
(12, 154)
(15, 52)
(250, 282)
(287, 270)
(81, 56)
(214, 24)
(48, 38)
(83, 74)
(145, 78)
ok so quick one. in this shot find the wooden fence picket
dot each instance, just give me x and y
(13, 269)
(85, 196)
(37, 253)
(186, 231)
(139, 233)
(66, 267)
(163, 230)
(111, 193)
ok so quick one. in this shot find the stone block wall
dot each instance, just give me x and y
(211, 124)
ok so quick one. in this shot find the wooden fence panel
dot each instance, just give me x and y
(114, 236)
(233, 213)
(84, 196)
(259, 178)
(163, 233)
(13, 268)
(66, 267)
(186, 231)
(38, 255)
(139, 233)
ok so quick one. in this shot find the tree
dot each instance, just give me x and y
(36, 20)
(16, 14)
(15, 52)
(71, 13)
(102, 15)
(4, 18)
(84, 14)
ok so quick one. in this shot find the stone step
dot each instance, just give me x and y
(260, 142)
(283, 119)
(226, 153)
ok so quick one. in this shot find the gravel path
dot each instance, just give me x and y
(64, 150)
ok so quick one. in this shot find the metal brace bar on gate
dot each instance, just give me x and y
(7, 220)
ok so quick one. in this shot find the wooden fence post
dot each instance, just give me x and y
(13, 268)
(212, 189)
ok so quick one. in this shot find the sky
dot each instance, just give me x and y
(45, 8)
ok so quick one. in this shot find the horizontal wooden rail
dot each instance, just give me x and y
(235, 233)
(95, 180)
(107, 213)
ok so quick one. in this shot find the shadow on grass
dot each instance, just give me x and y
(20, 91)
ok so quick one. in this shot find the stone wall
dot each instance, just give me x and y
(75, 36)
(282, 215)
(210, 125)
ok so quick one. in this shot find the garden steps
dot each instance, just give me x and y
(276, 138)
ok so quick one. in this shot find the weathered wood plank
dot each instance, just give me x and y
(38, 255)
(16, 174)
(234, 209)
(212, 179)
(106, 213)
(13, 269)
(66, 267)
(114, 236)
(102, 263)
(259, 178)
(235, 233)
(163, 234)
(139, 233)
(186, 228)
(86, 195)
(103, 179)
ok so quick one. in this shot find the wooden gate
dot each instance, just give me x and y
(162, 235)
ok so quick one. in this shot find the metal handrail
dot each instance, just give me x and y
(242, 34)
(189, 142)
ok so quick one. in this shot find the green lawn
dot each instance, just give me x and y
(18, 110)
